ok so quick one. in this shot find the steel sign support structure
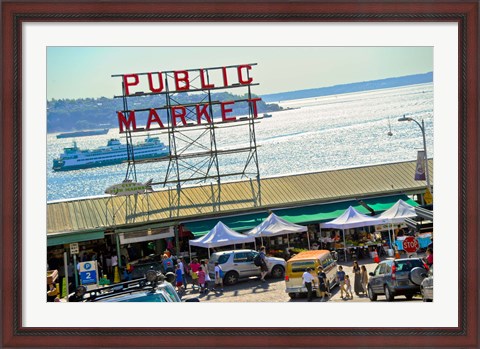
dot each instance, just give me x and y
(196, 149)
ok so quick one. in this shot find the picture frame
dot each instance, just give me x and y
(15, 13)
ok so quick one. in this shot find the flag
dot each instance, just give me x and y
(420, 169)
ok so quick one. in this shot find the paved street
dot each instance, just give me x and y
(253, 290)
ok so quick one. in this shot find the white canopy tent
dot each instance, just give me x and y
(220, 235)
(351, 218)
(274, 226)
(397, 214)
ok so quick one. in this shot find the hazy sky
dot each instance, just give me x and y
(82, 72)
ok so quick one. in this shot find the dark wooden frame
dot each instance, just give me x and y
(465, 13)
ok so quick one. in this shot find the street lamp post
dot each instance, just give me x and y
(422, 128)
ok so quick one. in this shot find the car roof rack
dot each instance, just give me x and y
(119, 289)
(149, 283)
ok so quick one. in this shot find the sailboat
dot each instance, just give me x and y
(389, 128)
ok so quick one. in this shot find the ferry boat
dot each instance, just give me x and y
(103, 131)
(74, 158)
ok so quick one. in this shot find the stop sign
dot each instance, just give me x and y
(410, 244)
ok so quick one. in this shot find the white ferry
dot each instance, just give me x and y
(73, 158)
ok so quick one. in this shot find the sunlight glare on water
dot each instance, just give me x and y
(316, 134)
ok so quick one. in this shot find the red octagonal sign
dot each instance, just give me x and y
(410, 244)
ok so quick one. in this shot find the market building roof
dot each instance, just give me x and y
(292, 192)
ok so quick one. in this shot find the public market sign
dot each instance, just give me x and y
(191, 80)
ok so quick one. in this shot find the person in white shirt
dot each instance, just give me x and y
(182, 268)
(218, 278)
(308, 282)
(114, 261)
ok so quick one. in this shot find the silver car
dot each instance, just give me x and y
(238, 264)
(426, 287)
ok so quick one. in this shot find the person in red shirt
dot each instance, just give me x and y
(429, 257)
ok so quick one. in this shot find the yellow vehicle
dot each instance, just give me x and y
(297, 265)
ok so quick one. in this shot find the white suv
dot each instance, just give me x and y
(238, 264)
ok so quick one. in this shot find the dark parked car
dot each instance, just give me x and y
(155, 287)
(394, 277)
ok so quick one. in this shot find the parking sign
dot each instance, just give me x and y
(88, 273)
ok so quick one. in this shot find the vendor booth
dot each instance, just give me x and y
(274, 226)
(220, 235)
(397, 214)
(351, 218)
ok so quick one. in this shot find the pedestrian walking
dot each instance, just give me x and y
(201, 279)
(204, 265)
(341, 280)
(357, 285)
(194, 266)
(322, 284)
(364, 278)
(348, 287)
(218, 277)
(178, 279)
(167, 264)
(207, 281)
(263, 266)
(182, 266)
(308, 282)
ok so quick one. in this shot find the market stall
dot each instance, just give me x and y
(220, 235)
(351, 218)
(276, 226)
(397, 214)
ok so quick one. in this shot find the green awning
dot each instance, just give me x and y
(327, 212)
(299, 215)
(238, 223)
(74, 237)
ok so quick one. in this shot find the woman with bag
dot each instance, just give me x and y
(204, 263)
(263, 266)
(194, 266)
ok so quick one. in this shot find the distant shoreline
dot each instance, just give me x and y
(350, 88)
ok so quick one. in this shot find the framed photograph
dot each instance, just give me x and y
(39, 38)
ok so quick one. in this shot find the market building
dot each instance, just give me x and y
(136, 226)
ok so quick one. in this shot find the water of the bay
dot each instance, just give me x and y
(316, 134)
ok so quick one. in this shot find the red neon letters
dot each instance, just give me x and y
(184, 80)
(178, 114)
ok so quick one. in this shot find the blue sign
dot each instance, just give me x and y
(88, 277)
(88, 273)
